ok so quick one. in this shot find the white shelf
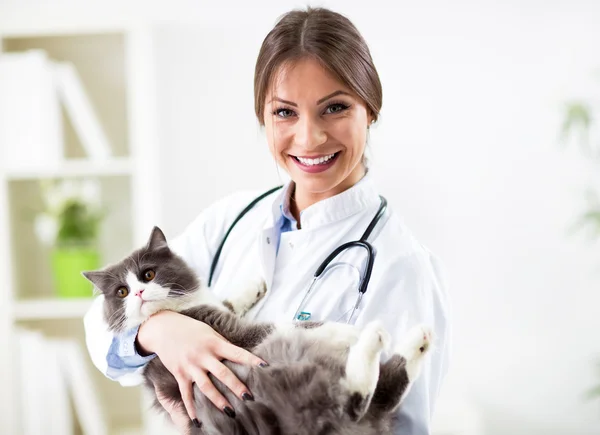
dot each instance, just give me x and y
(74, 168)
(42, 309)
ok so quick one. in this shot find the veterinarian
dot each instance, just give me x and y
(317, 93)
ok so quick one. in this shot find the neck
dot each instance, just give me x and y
(301, 199)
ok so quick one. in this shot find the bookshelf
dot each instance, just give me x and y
(116, 65)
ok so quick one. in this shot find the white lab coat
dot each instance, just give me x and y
(406, 286)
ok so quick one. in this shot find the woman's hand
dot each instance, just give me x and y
(190, 349)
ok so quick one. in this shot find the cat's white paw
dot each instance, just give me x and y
(378, 337)
(417, 342)
(261, 289)
(242, 301)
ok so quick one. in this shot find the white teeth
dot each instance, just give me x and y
(317, 161)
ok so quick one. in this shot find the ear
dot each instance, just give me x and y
(157, 240)
(95, 277)
(370, 119)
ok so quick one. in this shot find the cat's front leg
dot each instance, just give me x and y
(248, 296)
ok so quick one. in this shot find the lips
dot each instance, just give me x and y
(317, 163)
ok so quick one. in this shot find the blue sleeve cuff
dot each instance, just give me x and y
(122, 357)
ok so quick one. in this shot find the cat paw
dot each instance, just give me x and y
(247, 297)
(417, 342)
(377, 336)
(261, 289)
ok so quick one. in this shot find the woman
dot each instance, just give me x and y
(316, 93)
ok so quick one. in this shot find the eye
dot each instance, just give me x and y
(149, 275)
(284, 113)
(122, 292)
(336, 108)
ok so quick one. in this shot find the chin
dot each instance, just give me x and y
(139, 316)
(147, 310)
(317, 183)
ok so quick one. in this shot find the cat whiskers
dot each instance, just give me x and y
(120, 312)
(173, 283)
(181, 291)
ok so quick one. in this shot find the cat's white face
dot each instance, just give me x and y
(144, 298)
(149, 280)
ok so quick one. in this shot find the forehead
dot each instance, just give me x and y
(135, 261)
(304, 80)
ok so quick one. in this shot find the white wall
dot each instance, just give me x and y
(466, 150)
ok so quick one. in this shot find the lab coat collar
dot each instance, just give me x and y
(359, 197)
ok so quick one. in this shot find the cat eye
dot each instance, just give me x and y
(149, 275)
(122, 292)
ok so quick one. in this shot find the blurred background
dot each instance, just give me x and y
(118, 115)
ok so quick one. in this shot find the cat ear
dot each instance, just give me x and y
(95, 277)
(157, 240)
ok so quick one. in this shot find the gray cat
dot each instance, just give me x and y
(322, 378)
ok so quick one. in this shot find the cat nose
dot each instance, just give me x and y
(139, 293)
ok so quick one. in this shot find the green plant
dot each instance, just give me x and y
(72, 213)
(579, 121)
(595, 391)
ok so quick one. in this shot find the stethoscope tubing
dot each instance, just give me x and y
(362, 243)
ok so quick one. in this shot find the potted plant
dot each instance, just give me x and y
(69, 225)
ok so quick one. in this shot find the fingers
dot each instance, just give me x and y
(227, 377)
(187, 395)
(207, 388)
(238, 355)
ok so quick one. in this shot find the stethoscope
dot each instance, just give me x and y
(300, 314)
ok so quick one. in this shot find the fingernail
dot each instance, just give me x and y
(263, 364)
(196, 422)
(248, 397)
(229, 411)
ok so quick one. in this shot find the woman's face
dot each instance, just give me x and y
(316, 128)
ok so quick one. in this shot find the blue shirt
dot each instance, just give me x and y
(123, 356)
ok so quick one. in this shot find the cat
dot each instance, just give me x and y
(321, 379)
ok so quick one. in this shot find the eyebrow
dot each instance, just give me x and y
(340, 92)
(336, 93)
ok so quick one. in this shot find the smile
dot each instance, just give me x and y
(316, 164)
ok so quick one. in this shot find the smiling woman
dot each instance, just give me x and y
(316, 93)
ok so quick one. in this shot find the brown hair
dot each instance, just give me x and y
(328, 37)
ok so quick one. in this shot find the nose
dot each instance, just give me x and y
(139, 293)
(309, 133)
